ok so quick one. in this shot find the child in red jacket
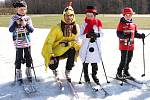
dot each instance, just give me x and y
(126, 32)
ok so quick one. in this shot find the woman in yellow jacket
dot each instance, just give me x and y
(62, 43)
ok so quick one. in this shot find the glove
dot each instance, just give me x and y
(98, 35)
(21, 22)
(143, 36)
(128, 35)
(18, 21)
(14, 38)
(53, 60)
(92, 40)
(91, 34)
(65, 43)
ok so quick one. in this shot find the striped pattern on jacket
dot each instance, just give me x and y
(21, 34)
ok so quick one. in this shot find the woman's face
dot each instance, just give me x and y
(89, 15)
(128, 16)
(68, 18)
(22, 10)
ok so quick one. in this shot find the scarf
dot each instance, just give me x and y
(68, 29)
(91, 23)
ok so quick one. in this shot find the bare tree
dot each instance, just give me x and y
(103, 6)
(2, 4)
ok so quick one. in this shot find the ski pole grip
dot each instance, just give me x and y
(143, 41)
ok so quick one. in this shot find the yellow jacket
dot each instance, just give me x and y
(52, 46)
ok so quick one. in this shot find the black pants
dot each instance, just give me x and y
(70, 55)
(23, 55)
(94, 68)
(126, 57)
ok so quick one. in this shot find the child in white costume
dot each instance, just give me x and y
(90, 51)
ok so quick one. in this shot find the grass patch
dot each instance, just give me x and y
(48, 20)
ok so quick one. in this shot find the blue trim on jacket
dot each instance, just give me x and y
(29, 28)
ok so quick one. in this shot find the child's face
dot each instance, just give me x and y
(128, 16)
(89, 15)
(22, 10)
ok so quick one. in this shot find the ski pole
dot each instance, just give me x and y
(126, 58)
(31, 57)
(147, 35)
(81, 76)
(102, 63)
(143, 58)
(104, 71)
(15, 76)
(16, 43)
(84, 62)
(33, 70)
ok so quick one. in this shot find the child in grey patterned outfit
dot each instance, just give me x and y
(21, 26)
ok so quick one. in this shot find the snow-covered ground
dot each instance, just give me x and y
(48, 90)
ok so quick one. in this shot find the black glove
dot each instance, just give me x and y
(14, 38)
(98, 35)
(54, 60)
(143, 36)
(128, 35)
(92, 40)
(91, 34)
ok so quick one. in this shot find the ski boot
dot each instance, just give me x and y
(55, 73)
(29, 74)
(19, 76)
(67, 73)
(128, 76)
(119, 76)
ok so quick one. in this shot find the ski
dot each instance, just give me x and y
(139, 85)
(118, 79)
(71, 86)
(126, 81)
(96, 89)
(59, 82)
(29, 88)
(74, 92)
(134, 83)
(106, 93)
(91, 86)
